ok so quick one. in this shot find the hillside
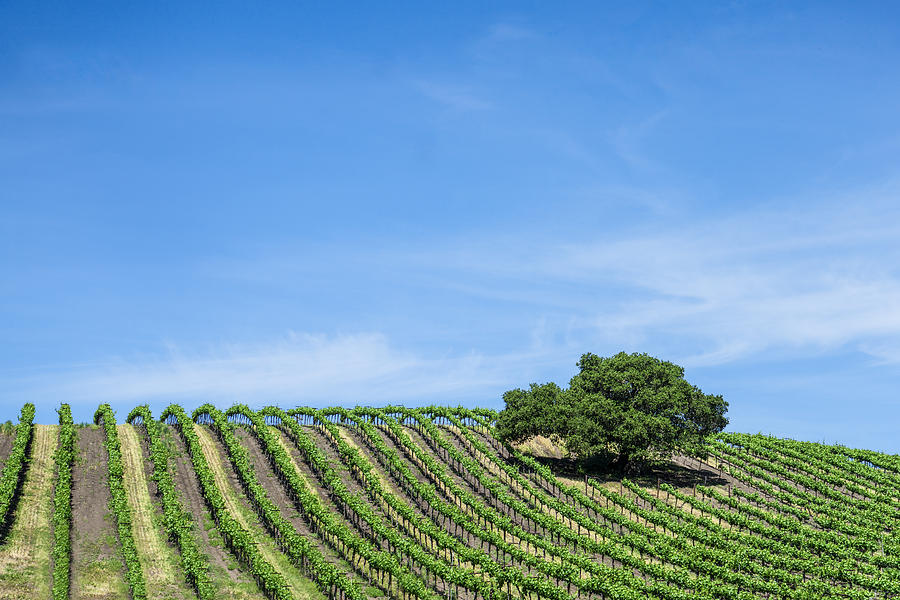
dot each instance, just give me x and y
(426, 503)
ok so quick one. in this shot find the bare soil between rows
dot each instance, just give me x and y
(192, 500)
(93, 530)
(6, 444)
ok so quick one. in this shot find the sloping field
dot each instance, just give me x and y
(405, 504)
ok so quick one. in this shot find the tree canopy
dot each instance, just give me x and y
(628, 408)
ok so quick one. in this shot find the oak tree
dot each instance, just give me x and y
(633, 408)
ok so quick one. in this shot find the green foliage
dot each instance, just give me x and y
(471, 517)
(620, 584)
(178, 522)
(424, 533)
(15, 467)
(62, 504)
(531, 412)
(119, 502)
(301, 552)
(632, 408)
(238, 539)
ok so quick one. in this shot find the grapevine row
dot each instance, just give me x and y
(887, 584)
(493, 527)
(119, 503)
(238, 539)
(724, 564)
(403, 514)
(14, 470)
(642, 540)
(178, 523)
(299, 550)
(62, 504)
(382, 567)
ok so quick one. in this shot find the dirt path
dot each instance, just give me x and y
(347, 434)
(25, 570)
(306, 476)
(355, 438)
(225, 572)
(238, 507)
(97, 569)
(390, 489)
(479, 495)
(6, 443)
(278, 493)
(159, 561)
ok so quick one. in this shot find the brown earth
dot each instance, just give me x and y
(226, 572)
(97, 567)
(274, 488)
(278, 494)
(239, 506)
(466, 537)
(352, 485)
(192, 500)
(6, 443)
(307, 473)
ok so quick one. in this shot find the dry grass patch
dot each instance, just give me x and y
(159, 561)
(541, 447)
(226, 573)
(25, 570)
(301, 586)
(286, 446)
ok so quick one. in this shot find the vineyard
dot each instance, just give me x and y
(425, 503)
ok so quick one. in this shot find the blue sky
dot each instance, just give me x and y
(333, 204)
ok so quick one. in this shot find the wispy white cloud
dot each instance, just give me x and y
(794, 280)
(362, 368)
(455, 97)
(787, 282)
(791, 281)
